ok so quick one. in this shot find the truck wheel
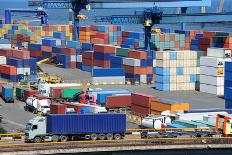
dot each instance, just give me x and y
(37, 139)
(93, 136)
(109, 136)
(55, 138)
(63, 138)
(25, 108)
(102, 136)
(117, 136)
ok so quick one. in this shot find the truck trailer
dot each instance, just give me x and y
(68, 127)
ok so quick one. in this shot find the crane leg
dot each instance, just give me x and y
(148, 39)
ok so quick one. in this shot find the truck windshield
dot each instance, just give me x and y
(28, 126)
(44, 106)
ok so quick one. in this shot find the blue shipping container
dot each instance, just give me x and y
(7, 92)
(86, 123)
(100, 72)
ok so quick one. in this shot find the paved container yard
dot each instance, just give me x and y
(15, 118)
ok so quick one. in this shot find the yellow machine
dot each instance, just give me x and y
(51, 78)
(156, 30)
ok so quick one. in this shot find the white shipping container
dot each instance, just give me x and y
(109, 80)
(5, 46)
(212, 80)
(79, 58)
(196, 116)
(211, 89)
(154, 62)
(219, 52)
(131, 62)
(2, 60)
(162, 63)
(212, 71)
(73, 58)
(163, 55)
(213, 61)
(143, 78)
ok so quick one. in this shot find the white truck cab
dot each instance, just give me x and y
(35, 127)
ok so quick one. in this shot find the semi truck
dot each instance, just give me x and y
(36, 105)
(68, 127)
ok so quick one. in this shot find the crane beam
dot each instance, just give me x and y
(127, 4)
(168, 18)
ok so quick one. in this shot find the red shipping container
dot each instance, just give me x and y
(40, 96)
(28, 93)
(142, 99)
(87, 62)
(68, 51)
(138, 70)
(125, 33)
(138, 110)
(203, 47)
(36, 53)
(137, 54)
(118, 101)
(205, 41)
(101, 63)
(85, 28)
(9, 70)
(73, 65)
(87, 55)
(97, 41)
(58, 108)
(209, 34)
(104, 48)
(6, 52)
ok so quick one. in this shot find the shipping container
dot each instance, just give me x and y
(20, 92)
(118, 101)
(70, 92)
(8, 93)
(57, 108)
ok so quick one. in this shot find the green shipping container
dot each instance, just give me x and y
(123, 52)
(70, 92)
(19, 92)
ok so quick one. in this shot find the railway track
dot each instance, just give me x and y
(128, 143)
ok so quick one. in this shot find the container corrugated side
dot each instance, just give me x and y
(86, 123)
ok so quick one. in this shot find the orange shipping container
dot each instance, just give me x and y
(162, 105)
(46, 48)
(137, 54)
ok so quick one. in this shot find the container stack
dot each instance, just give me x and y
(102, 55)
(212, 70)
(87, 61)
(164, 41)
(228, 85)
(132, 39)
(108, 76)
(176, 70)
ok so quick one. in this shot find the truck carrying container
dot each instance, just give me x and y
(7, 93)
(20, 92)
(74, 126)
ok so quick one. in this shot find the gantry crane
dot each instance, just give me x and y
(40, 13)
